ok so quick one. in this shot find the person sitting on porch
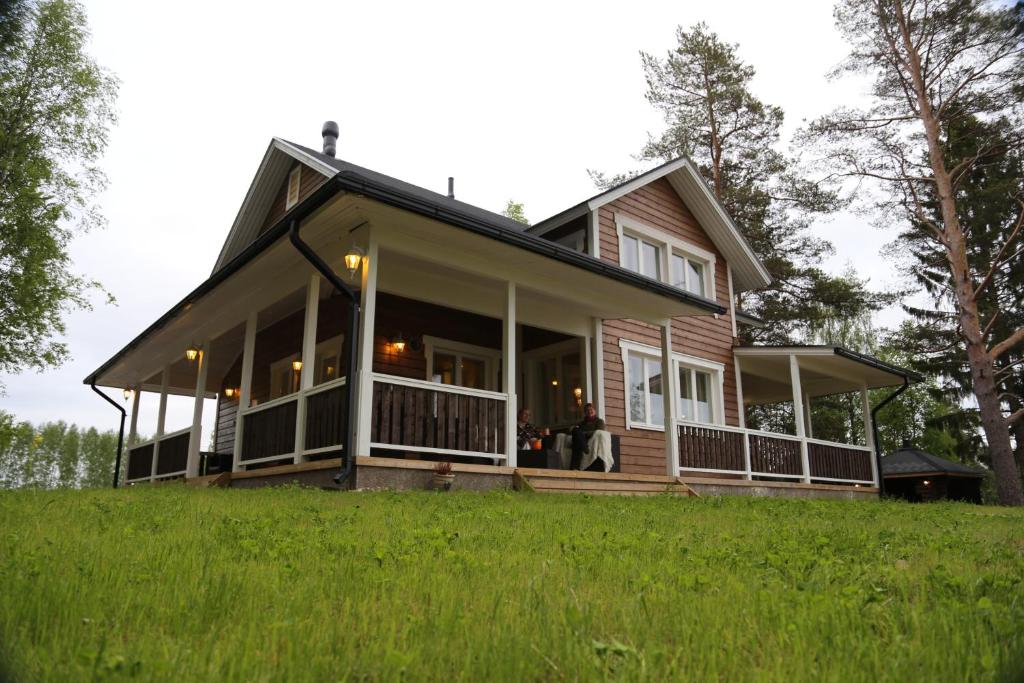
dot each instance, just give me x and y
(526, 433)
(582, 433)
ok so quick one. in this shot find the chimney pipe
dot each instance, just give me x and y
(451, 187)
(330, 132)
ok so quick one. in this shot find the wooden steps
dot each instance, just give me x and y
(599, 483)
(210, 480)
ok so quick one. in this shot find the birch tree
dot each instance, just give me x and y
(935, 65)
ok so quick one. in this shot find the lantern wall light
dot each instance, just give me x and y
(297, 365)
(128, 393)
(398, 343)
(191, 353)
(353, 259)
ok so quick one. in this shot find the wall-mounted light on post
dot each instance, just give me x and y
(397, 343)
(191, 353)
(353, 259)
(128, 393)
(229, 392)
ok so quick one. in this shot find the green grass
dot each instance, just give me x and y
(170, 583)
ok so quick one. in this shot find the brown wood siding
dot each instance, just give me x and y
(309, 181)
(658, 206)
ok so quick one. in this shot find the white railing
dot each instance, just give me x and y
(720, 449)
(428, 417)
(155, 457)
(298, 436)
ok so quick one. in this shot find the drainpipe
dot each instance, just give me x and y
(874, 431)
(353, 348)
(120, 434)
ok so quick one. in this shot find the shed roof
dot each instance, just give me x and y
(908, 460)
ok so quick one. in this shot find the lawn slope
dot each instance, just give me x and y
(169, 583)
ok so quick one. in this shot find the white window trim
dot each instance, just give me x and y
(491, 358)
(558, 351)
(716, 369)
(289, 200)
(285, 362)
(667, 244)
(335, 342)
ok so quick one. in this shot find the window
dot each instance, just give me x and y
(700, 387)
(641, 256)
(459, 364)
(294, 182)
(688, 273)
(553, 376)
(662, 256)
(327, 365)
(284, 379)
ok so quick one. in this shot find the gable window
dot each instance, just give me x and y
(663, 256)
(294, 182)
(699, 383)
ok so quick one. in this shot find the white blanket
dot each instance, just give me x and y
(598, 448)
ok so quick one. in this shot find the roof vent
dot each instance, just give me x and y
(330, 132)
(451, 187)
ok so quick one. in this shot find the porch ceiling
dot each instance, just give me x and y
(824, 371)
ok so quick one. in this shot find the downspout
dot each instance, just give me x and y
(874, 432)
(348, 447)
(120, 434)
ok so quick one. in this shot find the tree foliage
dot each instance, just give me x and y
(56, 105)
(54, 455)
(947, 78)
(516, 212)
(703, 89)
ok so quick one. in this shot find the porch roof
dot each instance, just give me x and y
(824, 371)
(338, 207)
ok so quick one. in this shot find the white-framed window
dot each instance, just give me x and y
(327, 364)
(461, 364)
(284, 379)
(700, 384)
(554, 375)
(664, 257)
(294, 182)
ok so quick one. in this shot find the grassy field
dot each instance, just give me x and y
(171, 583)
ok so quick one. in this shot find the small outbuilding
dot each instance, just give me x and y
(917, 476)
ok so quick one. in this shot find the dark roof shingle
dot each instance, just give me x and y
(916, 461)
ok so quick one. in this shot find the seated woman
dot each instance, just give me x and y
(526, 433)
(582, 432)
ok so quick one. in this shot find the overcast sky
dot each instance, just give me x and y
(514, 100)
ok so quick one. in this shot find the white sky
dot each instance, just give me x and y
(514, 103)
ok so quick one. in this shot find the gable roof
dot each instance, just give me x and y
(909, 460)
(684, 177)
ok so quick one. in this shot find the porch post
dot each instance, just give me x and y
(308, 358)
(588, 382)
(669, 393)
(508, 372)
(245, 389)
(808, 425)
(133, 430)
(161, 417)
(196, 433)
(364, 372)
(798, 410)
(869, 436)
(740, 407)
(598, 358)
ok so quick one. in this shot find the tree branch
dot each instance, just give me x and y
(1007, 344)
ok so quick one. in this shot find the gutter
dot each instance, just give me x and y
(877, 364)
(348, 446)
(874, 430)
(120, 434)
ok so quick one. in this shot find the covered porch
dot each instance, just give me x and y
(775, 440)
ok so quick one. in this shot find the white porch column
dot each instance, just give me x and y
(161, 418)
(798, 411)
(808, 424)
(740, 409)
(669, 395)
(196, 434)
(597, 355)
(588, 381)
(133, 429)
(308, 358)
(245, 389)
(368, 303)
(508, 372)
(869, 435)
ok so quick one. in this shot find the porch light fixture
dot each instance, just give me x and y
(926, 482)
(554, 382)
(191, 353)
(577, 392)
(297, 365)
(128, 393)
(229, 392)
(353, 259)
(398, 343)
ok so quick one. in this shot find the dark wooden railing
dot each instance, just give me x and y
(423, 416)
(773, 455)
(841, 463)
(325, 418)
(710, 448)
(173, 455)
(269, 431)
(140, 462)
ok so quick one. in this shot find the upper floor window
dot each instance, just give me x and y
(661, 256)
(294, 181)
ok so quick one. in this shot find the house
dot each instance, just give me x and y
(917, 476)
(349, 307)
